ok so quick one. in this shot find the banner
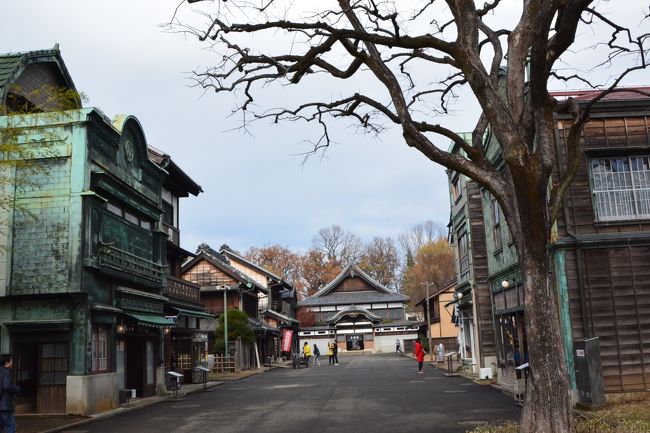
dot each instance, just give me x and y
(287, 338)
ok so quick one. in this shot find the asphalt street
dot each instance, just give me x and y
(370, 393)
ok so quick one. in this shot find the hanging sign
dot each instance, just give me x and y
(287, 337)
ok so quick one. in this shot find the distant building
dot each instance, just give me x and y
(358, 313)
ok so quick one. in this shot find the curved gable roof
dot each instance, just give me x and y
(381, 293)
(354, 311)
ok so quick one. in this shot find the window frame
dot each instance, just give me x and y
(620, 191)
(97, 362)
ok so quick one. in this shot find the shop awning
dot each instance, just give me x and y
(152, 320)
(193, 313)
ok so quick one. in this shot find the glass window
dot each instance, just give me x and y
(463, 252)
(131, 218)
(114, 208)
(496, 224)
(621, 188)
(99, 348)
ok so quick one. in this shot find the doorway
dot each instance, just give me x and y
(354, 342)
(41, 372)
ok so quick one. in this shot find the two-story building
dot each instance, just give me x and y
(221, 284)
(277, 308)
(600, 250)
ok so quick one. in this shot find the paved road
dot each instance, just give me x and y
(378, 393)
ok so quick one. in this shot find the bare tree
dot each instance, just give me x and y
(419, 58)
(339, 247)
(419, 235)
(381, 261)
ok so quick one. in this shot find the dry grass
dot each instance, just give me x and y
(625, 413)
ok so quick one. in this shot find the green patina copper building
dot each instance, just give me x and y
(83, 252)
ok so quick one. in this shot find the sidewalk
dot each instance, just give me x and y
(57, 423)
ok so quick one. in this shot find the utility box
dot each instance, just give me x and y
(589, 372)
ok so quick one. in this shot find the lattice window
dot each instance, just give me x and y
(621, 188)
(100, 348)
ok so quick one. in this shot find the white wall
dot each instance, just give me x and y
(86, 395)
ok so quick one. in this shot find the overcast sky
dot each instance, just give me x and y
(257, 192)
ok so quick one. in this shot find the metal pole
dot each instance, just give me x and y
(429, 323)
(225, 322)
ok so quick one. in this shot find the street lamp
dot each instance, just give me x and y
(225, 319)
(428, 304)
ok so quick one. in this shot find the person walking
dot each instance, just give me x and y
(397, 347)
(7, 392)
(419, 354)
(316, 356)
(335, 350)
(330, 353)
(306, 350)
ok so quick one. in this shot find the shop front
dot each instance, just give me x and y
(186, 345)
(512, 346)
(140, 331)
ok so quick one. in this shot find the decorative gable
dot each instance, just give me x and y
(353, 284)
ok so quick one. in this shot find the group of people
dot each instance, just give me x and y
(332, 353)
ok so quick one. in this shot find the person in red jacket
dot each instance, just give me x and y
(419, 354)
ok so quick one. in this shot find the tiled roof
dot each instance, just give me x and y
(339, 298)
(8, 65)
(620, 94)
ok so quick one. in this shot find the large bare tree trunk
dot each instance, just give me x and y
(548, 400)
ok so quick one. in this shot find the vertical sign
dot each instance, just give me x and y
(287, 336)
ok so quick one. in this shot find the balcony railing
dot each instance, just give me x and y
(182, 289)
(173, 233)
(128, 263)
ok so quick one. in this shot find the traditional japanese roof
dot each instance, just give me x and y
(12, 66)
(279, 316)
(354, 311)
(273, 278)
(182, 184)
(379, 292)
(221, 262)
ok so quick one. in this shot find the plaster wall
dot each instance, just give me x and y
(89, 394)
(386, 343)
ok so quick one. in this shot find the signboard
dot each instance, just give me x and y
(287, 337)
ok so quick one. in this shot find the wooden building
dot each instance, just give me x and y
(217, 278)
(438, 310)
(472, 301)
(600, 251)
(277, 308)
(186, 344)
(358, 313)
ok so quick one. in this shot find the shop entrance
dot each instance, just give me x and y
(41, 371)
(354, 342)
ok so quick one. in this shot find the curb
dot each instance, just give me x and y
(125, 409)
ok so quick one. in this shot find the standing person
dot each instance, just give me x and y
(335, 350)
(419, 354)
(7, 392)
(397, 347)
(316, 356)
(330, 353)
(306, 350)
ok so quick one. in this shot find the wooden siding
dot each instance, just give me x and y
(482, 295)
(353, 284)
(205, 273)
(617, 291)
(616, 136)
